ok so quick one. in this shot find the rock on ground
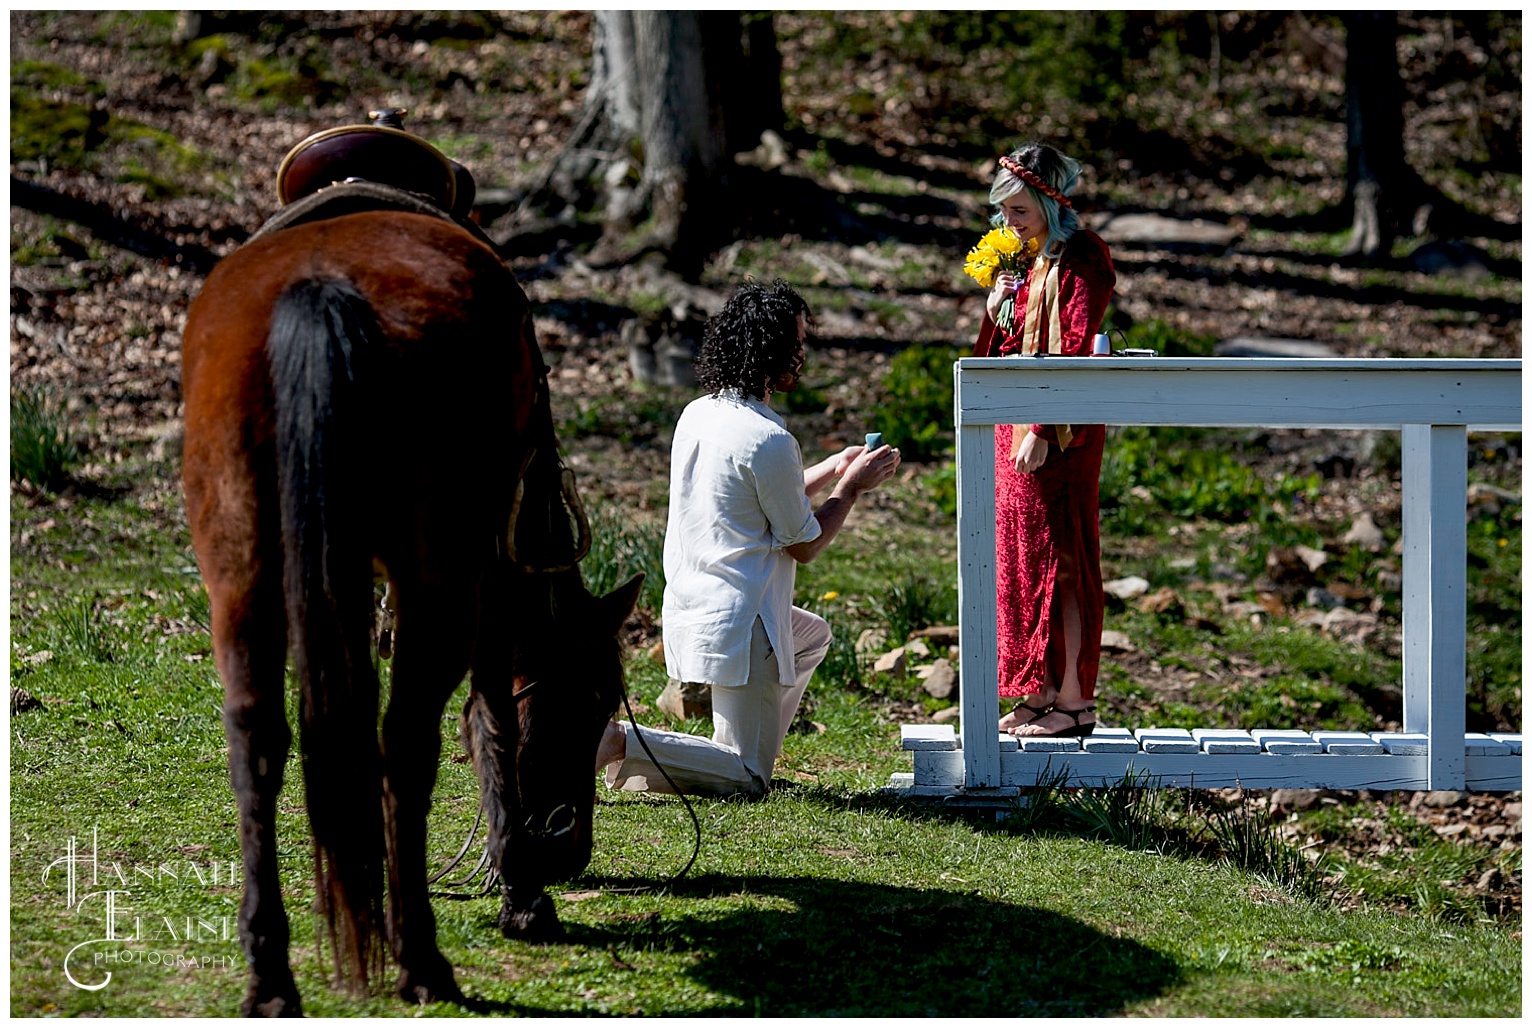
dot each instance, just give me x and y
(686, 700)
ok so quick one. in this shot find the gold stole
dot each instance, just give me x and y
(1042, 302)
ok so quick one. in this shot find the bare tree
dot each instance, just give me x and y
(1390, 199)
(1384, 191)
(673, 95)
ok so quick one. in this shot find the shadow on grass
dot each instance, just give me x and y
(856, 949)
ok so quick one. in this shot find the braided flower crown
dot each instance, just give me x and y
(1035, 181)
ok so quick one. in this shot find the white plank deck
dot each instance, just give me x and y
(1176, 758)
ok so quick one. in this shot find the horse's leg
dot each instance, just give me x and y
(244, 582)
(251, 655)
(431, 650)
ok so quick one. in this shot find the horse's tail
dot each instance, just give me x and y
(322, 334)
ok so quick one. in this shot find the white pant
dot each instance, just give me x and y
(749, 723)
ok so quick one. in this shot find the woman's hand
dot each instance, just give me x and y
(1031, 454)
(845, 457)
(1006, 284)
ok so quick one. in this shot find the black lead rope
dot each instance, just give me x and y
(478, 818)
(506, 548)
(696, 824)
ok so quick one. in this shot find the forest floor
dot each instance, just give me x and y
(170, 152)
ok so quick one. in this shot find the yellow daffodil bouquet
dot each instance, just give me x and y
(1000, 250)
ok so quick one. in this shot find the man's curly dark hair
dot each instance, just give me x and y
(752, 341)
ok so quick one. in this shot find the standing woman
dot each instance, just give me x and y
(1047, 477)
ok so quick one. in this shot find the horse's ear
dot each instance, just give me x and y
(615, 606)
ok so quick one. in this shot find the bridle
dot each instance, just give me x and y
(493, 876)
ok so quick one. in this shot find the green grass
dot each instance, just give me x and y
(62, 132)
(651, 416)
(1152, 478)
(86, 136)
(42, 450)
(827, 899)
(622, 547)
(1418, 867)
(915, 409)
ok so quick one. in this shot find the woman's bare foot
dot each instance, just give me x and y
(613, 746)
(1031, 708)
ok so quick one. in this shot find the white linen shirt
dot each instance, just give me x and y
(736, 502)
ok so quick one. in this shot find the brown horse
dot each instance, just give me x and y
(366, 391)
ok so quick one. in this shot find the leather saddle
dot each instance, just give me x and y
(381, 152)
(355, 168)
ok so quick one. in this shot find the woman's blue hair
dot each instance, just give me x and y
(1060, 172)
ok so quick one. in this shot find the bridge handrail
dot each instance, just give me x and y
(1434, 403)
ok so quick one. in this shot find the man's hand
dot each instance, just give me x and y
(870, 469)
(845, 457)
(817, 476)
(1031, 454)
(867, 470)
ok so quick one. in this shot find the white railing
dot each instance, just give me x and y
(1434, 403)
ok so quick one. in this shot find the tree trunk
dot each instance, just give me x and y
(673, 95)
(682, 130)
(613, 73)
(1383, 190)
(1215, 54)
(1389, 199)
(745, 72)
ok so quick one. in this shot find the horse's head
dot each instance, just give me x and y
(578, 687)
(568, 682)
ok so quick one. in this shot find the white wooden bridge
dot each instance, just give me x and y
(1433, 403)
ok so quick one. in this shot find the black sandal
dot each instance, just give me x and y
(1037, 713)
(1074, 731)
(1077, 730)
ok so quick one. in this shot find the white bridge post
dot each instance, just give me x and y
(978, 662)
(1435, 498)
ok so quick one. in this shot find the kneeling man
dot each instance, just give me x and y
(740, 523)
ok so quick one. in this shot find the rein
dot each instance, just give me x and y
(567, 492)
(696, 824)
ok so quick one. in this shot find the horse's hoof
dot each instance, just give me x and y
(268, 999)
(436, 986)
(539, 922)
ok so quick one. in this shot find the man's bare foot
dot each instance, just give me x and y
(613, 746)
(1031, 708)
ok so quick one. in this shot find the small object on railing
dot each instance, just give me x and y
(874, 440)
(1137, 353)
(1102, 346)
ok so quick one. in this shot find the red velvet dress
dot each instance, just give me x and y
(1046, 517)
